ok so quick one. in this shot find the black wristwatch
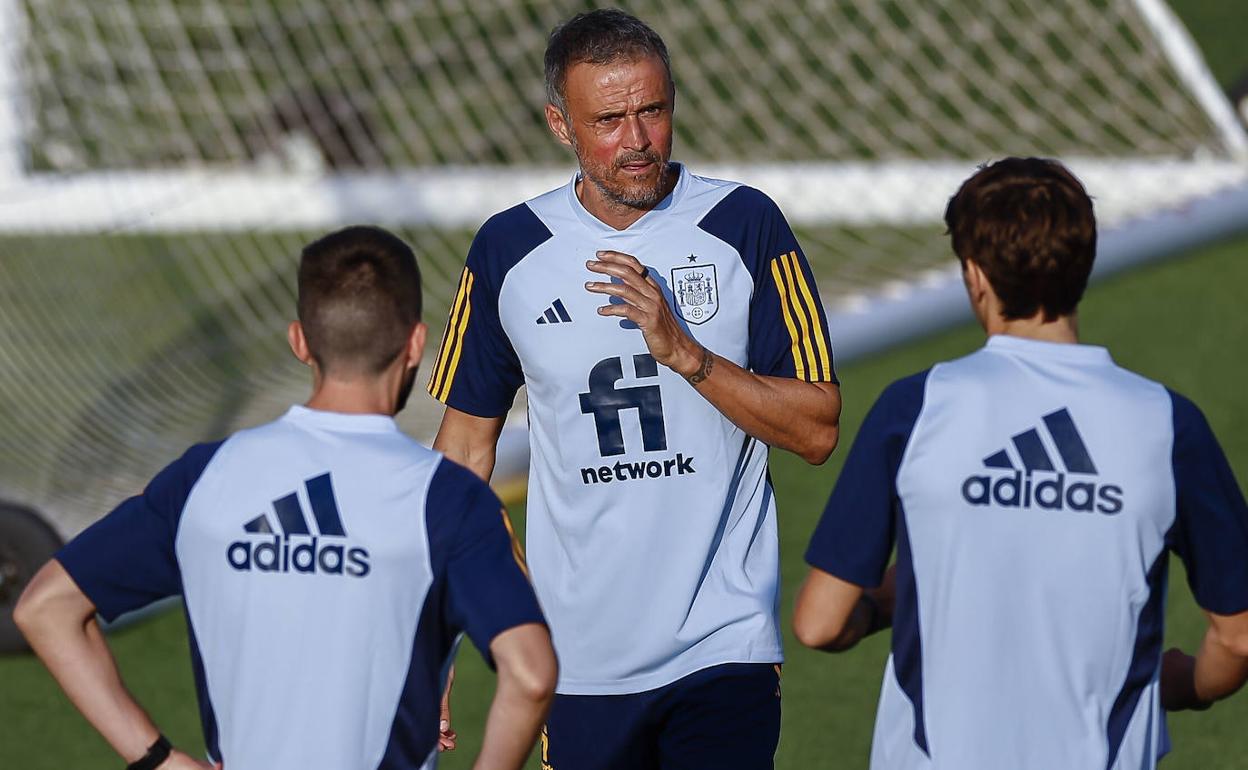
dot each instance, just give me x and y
(157, 753)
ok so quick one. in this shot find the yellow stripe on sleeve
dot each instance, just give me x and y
(458, 348)
(448, 335)
(801, 320)
(517, 551)
(825, 360)
(546, 749)
(788, 319)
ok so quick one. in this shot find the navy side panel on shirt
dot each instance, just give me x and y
(907, 639)
(855, 535)
(207, 712)
(1211, 529)
(1149, 631)
(479, 586)
(788, 328)
(477, 370)
(126, 561)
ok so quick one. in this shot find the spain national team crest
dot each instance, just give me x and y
(696, 292)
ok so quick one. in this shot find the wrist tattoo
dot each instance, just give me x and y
(704, 370)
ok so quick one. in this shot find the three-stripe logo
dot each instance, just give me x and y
(308, 553)
(555, 314)
(1036, 481)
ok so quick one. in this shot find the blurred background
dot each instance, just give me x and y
(163, 161)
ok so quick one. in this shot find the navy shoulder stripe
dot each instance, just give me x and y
(127, 560)
(505, 239)
(855, 536)
(746, 219)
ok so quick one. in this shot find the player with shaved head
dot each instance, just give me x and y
(326, 562)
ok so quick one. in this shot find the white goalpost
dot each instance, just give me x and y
(162, 161)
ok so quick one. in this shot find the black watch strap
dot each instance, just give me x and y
(156, 754)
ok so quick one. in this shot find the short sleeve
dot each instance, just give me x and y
(788, 327)
(1211, 527)
(477, 370)
(126, 560)
(487, 585)
(855, 535)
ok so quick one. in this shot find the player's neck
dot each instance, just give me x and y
(1063, 329)
(378, 395)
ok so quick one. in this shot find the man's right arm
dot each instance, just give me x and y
(58, 620)
(477, 372)
(469, 440)
(851, 544)
(526, 686)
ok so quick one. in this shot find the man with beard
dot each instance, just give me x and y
(326, 561)
(669, 331)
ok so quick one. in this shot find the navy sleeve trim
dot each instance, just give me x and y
(855, 535)
(127, 559)
(474, 549)
(477, 369)
(1211, 526)
(788, 326)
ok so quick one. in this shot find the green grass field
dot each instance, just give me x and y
(1180, 322)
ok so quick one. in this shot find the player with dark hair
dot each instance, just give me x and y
(668, 330)
(326, 562)
(1033, 490)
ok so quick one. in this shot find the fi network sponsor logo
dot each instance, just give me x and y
(1039, 483)
(295, 549)
(606, 400)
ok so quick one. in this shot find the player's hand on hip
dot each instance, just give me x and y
(446, 736)
(179, 761)
(642, 302)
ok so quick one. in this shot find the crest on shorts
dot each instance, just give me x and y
(696, 292)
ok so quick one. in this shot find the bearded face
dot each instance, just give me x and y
(618, 121)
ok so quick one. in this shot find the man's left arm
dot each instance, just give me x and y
(790, 413)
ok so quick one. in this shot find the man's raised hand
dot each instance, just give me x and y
(642, 302)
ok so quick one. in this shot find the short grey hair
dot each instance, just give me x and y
(598, 37)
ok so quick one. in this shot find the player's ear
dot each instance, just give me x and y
(978, 290)
(558, 124)
(416, 344)
(976, 281)
(298, 342)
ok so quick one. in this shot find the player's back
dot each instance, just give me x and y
(1036, 497)
(312, 553)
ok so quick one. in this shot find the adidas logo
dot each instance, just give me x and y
(295, 549)
(555, 314)
(1039, 483)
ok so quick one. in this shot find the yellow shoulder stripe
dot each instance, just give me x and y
(452, 340)
(825, 360)
(787, 314)
(517, 550)
(811, 358)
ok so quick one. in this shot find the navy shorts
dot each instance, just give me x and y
(727, 716)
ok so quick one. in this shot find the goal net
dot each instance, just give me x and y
(162, 162)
